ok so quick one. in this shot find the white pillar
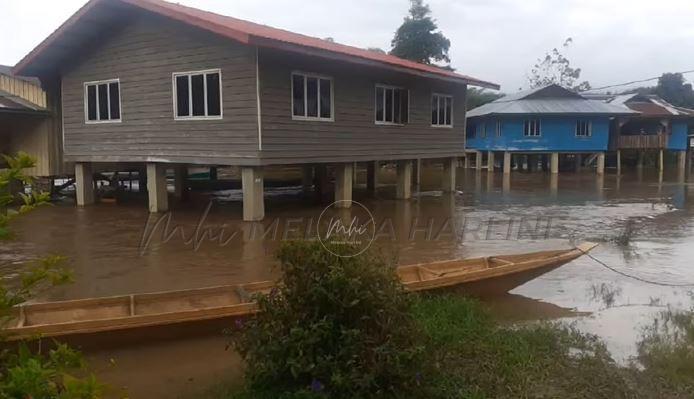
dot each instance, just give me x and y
(84, 180)
(601, 163)
(478, 160)
(507, 163)
(661, 161)
(466, 161)
(490, 161)
(404, 180)
(253, 194)
(619, 162)
(156, 187)
(682, 161)
(343, 185)
(449, 171)
(554, 163)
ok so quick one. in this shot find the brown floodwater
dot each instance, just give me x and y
(645, 225)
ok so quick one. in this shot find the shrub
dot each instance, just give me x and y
(336, 327)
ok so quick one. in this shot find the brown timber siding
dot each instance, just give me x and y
(143, 55)
(353, 136)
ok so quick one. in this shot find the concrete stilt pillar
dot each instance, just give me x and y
(601, 163)
(449, 171)
(579, 162)
(661, 161)
(418, 174)
(490, 161)
(619, 162)
(253, 193)
(478, 160)
(306, 178)
(554, 163)
(372, 169)
(681, 162)
(404, 180)
(84, 181)
(507, 163)
(466, 163)
(343, 185)
(156, 187)
(180, 181)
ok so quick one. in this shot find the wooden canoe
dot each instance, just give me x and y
(93, 315)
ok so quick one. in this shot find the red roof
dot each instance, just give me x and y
(256, 34)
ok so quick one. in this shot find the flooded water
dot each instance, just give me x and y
(645, 226)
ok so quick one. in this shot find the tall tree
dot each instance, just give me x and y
(418, 38)
(555, 68)
(478, 97)
(673, 88)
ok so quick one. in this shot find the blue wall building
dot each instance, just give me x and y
(550, 121)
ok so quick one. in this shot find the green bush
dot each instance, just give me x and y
(337, 327)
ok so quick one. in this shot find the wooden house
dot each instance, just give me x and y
(29, 123)
(157, 84)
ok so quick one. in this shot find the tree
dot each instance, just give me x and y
(478, 97)
(418, 38)
(673, 88)
(555, 68)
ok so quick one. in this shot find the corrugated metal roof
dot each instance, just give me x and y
(646, 104)
(255, 34)
(545, 101)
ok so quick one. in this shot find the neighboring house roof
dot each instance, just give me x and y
(551, 99)
(649, 105)
(7, 71)
(248, 33)
(11, 103)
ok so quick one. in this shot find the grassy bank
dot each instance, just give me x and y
(474, 357)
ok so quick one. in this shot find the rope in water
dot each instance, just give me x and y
(637, 278)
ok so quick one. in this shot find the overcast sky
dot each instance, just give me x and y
(498, 40)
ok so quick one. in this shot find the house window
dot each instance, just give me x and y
(102, 101)
(392, 105)
(498, 128)
(441, 110)
(312, 97)
(531, 127)
(483, 130)
(584, 129)
(198, 95)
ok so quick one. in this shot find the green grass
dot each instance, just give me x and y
(473, 357)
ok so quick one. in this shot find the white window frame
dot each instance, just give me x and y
(539, 128)
(190, 116)
(499, 127)
(384, 122)
(318, 77)
(589, 126)
(96, 83)
(442, 95)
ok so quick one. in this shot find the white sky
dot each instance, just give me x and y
(498, 40)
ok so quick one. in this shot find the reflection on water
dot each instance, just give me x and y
(644, 222)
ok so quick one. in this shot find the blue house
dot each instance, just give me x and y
(542, 125)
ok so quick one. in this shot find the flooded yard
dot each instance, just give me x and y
(645, 226)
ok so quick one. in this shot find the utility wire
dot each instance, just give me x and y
(633, 82)
(637, 278)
